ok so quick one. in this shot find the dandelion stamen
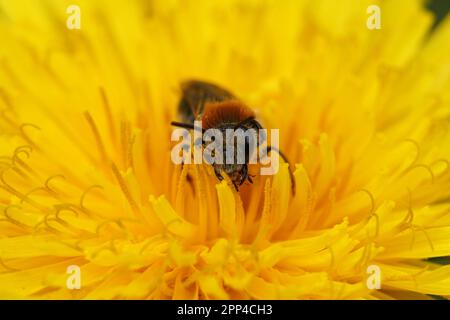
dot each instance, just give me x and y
(25, 135)
(6, 267)
(97, 136)
(49, 179)
(83, 197)
(108, 113)
(124, 188)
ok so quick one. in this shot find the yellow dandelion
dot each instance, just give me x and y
(87, 186)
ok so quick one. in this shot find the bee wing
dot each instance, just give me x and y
(195, 94)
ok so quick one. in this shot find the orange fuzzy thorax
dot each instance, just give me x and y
(219, 113)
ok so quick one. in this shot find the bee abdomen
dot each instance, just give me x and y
(195, 94)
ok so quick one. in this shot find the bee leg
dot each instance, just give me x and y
(190, 181)
(218, 173)
(250, 177)
(269, 149)
(244, 175)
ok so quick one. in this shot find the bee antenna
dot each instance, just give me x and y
(182, 125)
(185, 125)
(282, 155)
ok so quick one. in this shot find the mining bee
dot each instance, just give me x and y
(218, 108)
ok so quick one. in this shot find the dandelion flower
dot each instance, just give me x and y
(86, 178)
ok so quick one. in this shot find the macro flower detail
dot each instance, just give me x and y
(86, 177)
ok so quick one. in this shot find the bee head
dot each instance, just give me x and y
(236, 172)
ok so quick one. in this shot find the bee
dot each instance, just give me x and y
(218, 108)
